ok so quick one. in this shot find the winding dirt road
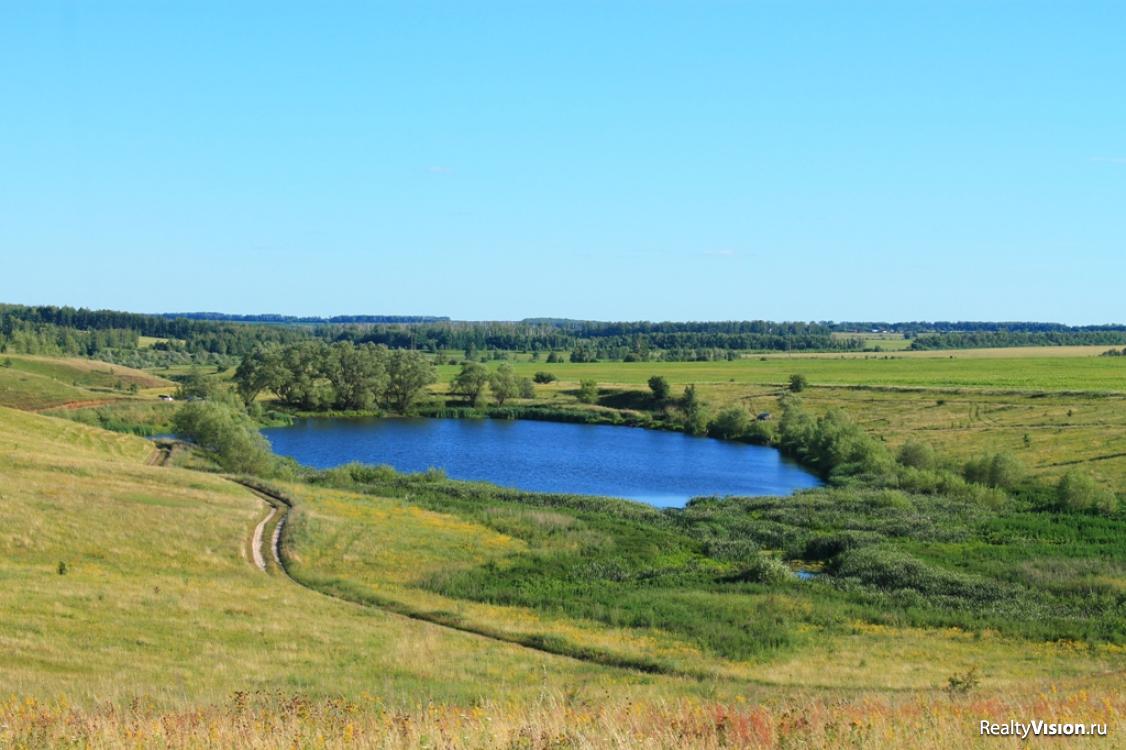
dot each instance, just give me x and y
(256, 544)
(280, 505)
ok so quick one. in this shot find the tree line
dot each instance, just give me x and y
(999, 339)
(319, 376)
(113, 335)
(603, 340)
(53, 330)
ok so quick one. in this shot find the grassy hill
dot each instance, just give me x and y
(157, 585)
(132, 615)
(36, 383)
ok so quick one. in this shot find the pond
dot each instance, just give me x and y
(661, 468)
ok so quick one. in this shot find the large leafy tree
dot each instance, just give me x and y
(470, 382)
(503, 384)
(359, 374)
(408, 374)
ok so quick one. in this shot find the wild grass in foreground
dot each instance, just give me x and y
(947, 720)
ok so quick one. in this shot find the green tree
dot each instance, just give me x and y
(527, 388)
(196, 385)
(588, 391)
(258, 371)
(470, 382)
(660, 388)
(358, 374)
(408, 374)
(300, 377)
(695, 413)
(730, 423)
(798, 383)
(689, 401)
(223, 429)
(544, 377)
(503, 384)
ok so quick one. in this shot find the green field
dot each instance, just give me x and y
(1068, 401)
(1039, 369)
(887, 342)
(637, 585)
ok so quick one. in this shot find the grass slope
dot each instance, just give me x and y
(506, 568)
(37, 383)
(89, 373)
(159, 599)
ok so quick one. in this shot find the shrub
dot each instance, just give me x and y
(824, 547)
(660, 388)
(1078, 491)
(960, 684)
(894, 570)
(730, 423)
(995, 470)
(696, 421)
(359, 473)
(917, 455)
(544, 377)
(731, 550)
(588, 391)
(762, 569)
(225, 431)
(760, 432)
(798, 383)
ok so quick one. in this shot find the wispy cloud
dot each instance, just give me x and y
(1109, 159)
(438, 169)
(722, 252)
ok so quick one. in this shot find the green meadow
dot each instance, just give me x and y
(408, 604)
(1054, 407)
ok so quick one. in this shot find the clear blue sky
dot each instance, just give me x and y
(610, 160)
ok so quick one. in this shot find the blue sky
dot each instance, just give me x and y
(610, 160)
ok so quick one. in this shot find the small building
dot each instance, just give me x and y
(166, 397)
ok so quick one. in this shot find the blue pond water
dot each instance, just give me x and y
(661, 468)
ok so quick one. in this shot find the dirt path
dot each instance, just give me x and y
(256, 545)
(86, 404)
(282, 505)
(159, 456)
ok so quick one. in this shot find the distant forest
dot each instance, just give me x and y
(296, 320)
(142, 340)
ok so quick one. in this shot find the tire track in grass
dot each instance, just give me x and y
(547, 645)
(256, 544)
